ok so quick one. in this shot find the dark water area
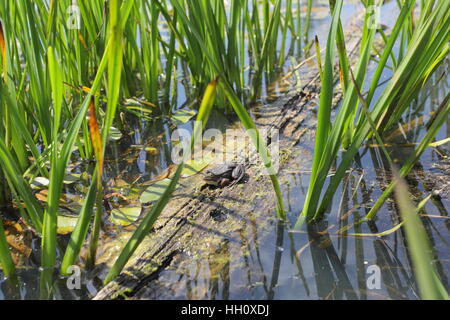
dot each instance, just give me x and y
(319, 261)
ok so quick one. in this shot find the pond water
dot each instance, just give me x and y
(316, 262)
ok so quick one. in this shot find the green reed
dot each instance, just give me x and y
(427, 49)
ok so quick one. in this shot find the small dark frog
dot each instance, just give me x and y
(226, 174)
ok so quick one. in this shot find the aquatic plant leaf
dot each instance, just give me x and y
(125, 216)
(56, 79)
(66, 224)
(138, 105)
(39, 183)
(144, 227)
(207, 103)
(153, 192)
(440, 142)
(71, 178)
(182, 116)
(152, 150)
(192, 167)
(79, 234)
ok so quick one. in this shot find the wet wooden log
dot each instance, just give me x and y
(202, 224)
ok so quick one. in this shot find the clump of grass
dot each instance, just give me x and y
(427, 49)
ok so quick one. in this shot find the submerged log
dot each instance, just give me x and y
(201, 224)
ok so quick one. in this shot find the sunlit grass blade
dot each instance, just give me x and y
(147, 223)
(143, 229)
(207, 102)
(342, 52)
(325, 106)
(115, 64)
(57, 90)
(81, 229)
(431, 288)
(258, 142)
(49, 231)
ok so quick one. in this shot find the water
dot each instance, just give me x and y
(274, 261)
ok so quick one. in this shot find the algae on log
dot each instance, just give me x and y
(204, 224)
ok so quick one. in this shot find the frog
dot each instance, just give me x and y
(227, 174)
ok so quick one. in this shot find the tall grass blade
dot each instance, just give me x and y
(146, 225)
(48, 244)
(431, 288)
(325, 106)
(144, 228)
(115, 62)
